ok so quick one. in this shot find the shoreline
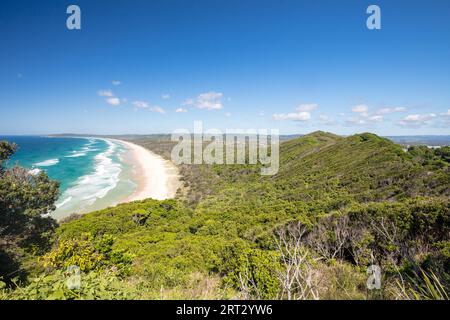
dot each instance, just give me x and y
(156, 177)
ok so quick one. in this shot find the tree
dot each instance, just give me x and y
(25, 200)
(298, 278)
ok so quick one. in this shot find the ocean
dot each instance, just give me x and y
(93, 173)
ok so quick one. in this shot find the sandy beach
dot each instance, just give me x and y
(156, 177)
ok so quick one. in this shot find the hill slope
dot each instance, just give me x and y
(340, 189)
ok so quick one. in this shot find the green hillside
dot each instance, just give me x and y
(342, 203)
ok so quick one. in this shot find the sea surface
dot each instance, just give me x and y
(93, 173)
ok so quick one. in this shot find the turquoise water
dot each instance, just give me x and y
(92, 172)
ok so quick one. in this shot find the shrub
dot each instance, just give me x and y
(87, 253)
(252, 271)
(94, 285)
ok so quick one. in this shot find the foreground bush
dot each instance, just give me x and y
(94, 285)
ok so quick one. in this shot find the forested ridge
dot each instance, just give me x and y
(336, 206)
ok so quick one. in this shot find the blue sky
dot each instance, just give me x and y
(156, 66)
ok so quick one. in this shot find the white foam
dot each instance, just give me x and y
(47, 163)
(76, 155)
(60, 204)
(81, 153)
(87, 189)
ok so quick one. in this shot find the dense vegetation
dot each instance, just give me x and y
(24, 198)
(336, 206)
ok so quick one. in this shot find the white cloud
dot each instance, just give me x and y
(302, 113)
(326, 120)
(227, 114)
(158, 109)
(364, 118)
(116, 82)
(110, 98)
(362, 108)
(445, 119)
(355, 121)
(390, 110)
(105, 93)
(113, 101)
(165, 96)
(141, 104)
(146, 105)
(188, 102)
(262, 114)
(446, 113)
(376, 118)
(210, 101)
(307, 107)
(295, 116)
(420, 117)
(181, 110)
(417, 120)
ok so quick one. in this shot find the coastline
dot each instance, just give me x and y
(156, 177)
